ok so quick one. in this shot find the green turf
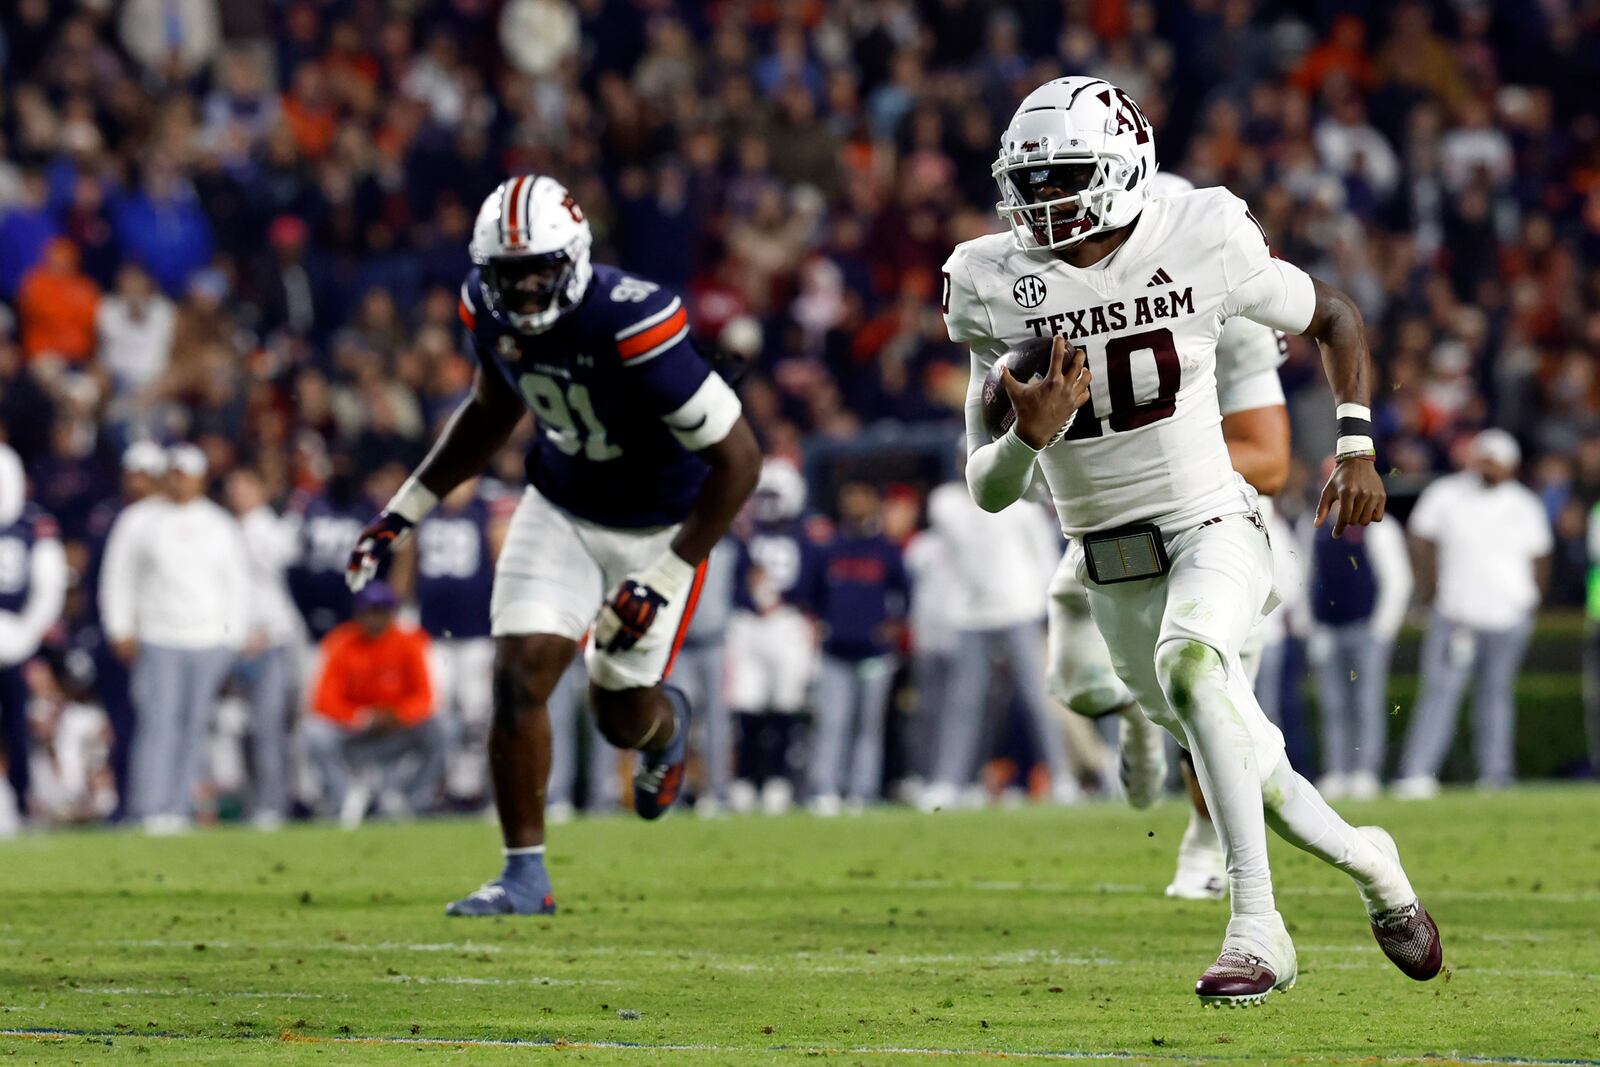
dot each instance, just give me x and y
(782, 941)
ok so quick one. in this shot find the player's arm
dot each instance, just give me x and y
(735, 464)
(1258, 446)
(1278, 294)
(478, 429)
(1000, 471)
(1356, 487)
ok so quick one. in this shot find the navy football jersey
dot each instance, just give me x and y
(620, 395)
(327, 532)
(455, 570)
(775, 559)
(16, 554)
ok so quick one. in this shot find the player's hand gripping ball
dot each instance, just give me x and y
(1037, 386)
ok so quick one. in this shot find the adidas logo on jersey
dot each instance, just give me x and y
(1161, 277)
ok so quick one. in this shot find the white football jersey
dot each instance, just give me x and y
(1148, 447)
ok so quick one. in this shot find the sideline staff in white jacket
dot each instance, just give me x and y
(175, 600)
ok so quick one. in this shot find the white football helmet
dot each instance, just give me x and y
(780, 492)
(531, 245)
(1085, 145)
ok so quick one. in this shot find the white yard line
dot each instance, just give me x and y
(1433, 1060)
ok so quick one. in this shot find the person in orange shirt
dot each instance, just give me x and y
(57, 305)
(372, 726)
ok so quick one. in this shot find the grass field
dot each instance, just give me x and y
(886, 939)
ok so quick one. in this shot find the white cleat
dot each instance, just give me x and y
(742, 797)
(777, 797)
(825, 806)
(1363, 785)
(1416, 787)
(559, 812)
(937, 796)
(709, 808)
(1333, 787)
(1257, 959)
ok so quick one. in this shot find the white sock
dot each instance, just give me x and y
(1200, 836)
(526, 850)
(1225, 762)
(1300, 816)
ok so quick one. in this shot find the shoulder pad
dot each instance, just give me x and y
(645, 318)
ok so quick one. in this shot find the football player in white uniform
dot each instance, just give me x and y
(1255, 425)
(1129, 441)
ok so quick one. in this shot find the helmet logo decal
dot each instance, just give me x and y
(1129, 117)
(1029, 290)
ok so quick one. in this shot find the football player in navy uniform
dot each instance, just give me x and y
(455, 550)
(771, 641)
(327, 522)
(33, 588)
(641, 461)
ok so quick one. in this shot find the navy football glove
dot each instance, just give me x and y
(627, 617)
(373, 548)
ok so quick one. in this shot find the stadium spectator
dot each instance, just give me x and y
(1359, 590)
(372, 731)
(175, 605)
(1482, 545)
(856, 588)
(57, 303)
(456, 546)
(135, 327)
(1002, 562)
(173, 39)
(33, 586)
(700, 670)
(771, 647)
(268, 668)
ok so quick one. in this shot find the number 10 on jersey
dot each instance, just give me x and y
(1115, 368)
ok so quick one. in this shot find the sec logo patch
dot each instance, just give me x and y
(1029, 291)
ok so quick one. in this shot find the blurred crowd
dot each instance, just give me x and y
(241, 225)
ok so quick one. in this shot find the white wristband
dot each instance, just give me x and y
(1353, 411)
(669, 574)
(413, 501)
(1347, 447)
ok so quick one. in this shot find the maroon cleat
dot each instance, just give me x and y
(1410, 938)
(1238, 980)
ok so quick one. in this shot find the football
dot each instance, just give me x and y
(1027, 361)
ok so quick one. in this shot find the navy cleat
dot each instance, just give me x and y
(659, 779)
(523, 888)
